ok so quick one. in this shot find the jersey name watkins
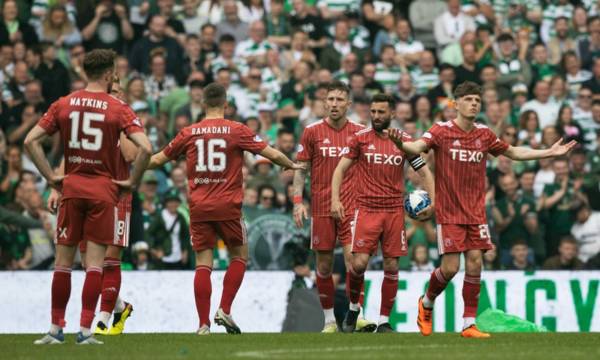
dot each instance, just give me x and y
(384, 159)
(466, 155)
(334, 151)
(211, 130)
(94, 103)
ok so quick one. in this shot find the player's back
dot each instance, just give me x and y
(324, 146)
(214, 150)
(90, 124)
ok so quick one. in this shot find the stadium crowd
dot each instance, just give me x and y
(537, 60)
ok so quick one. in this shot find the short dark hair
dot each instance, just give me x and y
(569, 239)
(215, 95)
(97, 62)
(467, 88)
(519, 241)
(226, 38)
(196, 84)
(505, 37)
(379, 98)
(337, 85)
(208, 25)
(284, 131)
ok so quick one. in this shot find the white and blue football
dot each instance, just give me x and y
(416, 201)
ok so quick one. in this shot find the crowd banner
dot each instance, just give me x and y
(164, 300)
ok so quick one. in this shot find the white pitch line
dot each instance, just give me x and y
(268, 353)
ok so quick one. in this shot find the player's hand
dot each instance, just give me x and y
(125, 186)
(337, 210)
(395, 135)
(559, 149)
(298, 166)
(300, 213)
(425, 214)
(53, 201)
(55, 181)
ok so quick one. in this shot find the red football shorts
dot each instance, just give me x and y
(204, 233)
(456, 238)
(371, 228)
(325, 231)
(81, 220)
(122, 223)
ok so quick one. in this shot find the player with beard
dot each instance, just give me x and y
(90, 122)
(461, 150)
(379, 214)
(322, 145)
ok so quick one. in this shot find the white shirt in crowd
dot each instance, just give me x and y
(588, 236)
(169, 219)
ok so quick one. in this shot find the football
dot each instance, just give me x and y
(415, 202)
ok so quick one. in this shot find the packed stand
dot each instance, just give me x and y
(538, 62)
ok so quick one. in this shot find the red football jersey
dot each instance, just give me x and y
(123, 173)
(460, 164)
(214, 149)
(90, 124)
(323, 145)
(380, 175)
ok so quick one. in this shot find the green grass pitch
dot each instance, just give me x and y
(566, 346)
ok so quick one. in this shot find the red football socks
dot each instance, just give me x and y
(361, 299)
(326, 290)
(470, 292)
(61, 291)
(90, 294)
(355, 286)
(202, 292)
(437, 284)
(111, 284)
(389, 289)
(232, 282)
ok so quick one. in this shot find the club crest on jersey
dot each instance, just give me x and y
(466, 155)
(334, 151)
(478, 143)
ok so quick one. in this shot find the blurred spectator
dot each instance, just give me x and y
(252, 10)
(420, 259)
(58, 29)
(277, 24)
(540, 66)
(108, 28)
(562, 41)
(330, 56)
(468, 69)
(190, 16)
(590, 46)
(157, 38)
(12, 29)
(425, 76)
(558, 200)
(311, 24)
(231, 22)
(584, 116)
(169, 235)
(586, 231)
(422, 15)
(510, 212)
(594, 83)
(519, 257)
(566, 258)
(574, 74)
(511, 67)
(254, 49)
(530, 134)
(141, 256)
(51, 72)
(491, 261)
(569, 129)
(443, 90)
(546, 110)
(450, 26)
(193, 110)
(387, 72)
(175, 27)
(407, 48)
(158, 83)
(211, 11)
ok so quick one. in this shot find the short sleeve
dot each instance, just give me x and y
(353, 148)
(249, 141)
(305, 148)
(49, 122)
(177, 146)
(130, 123)
(497, 147)
(432, 136)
